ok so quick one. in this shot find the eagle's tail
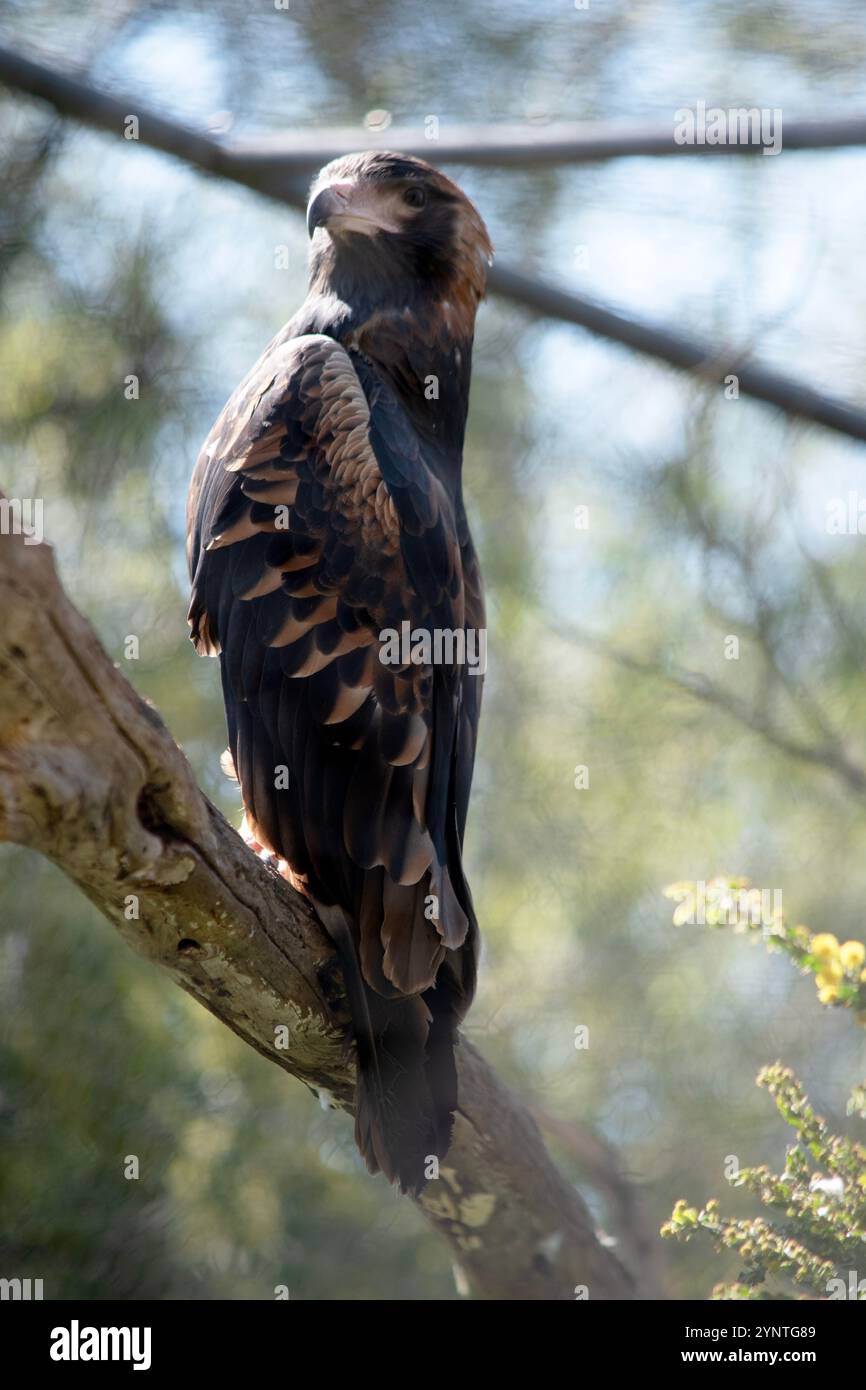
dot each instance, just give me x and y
(406, 1089)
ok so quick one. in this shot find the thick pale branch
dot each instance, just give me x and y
(90, 777)
(271, 176)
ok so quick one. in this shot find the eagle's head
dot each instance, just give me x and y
(390, 227)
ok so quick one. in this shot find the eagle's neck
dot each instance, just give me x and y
(419, 341)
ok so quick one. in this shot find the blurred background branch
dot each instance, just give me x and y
(527, 146)
(276, 177)
(503, 146)
(829, 753)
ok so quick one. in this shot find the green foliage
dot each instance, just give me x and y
(812, 1241)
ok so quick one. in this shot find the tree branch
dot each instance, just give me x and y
(90, 777)
(503, 146)
(711, 363)
(270, 176)
(528, 146)
(830, 754)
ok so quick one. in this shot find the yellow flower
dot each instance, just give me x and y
(825, 944)
(828, 994)
(831, 973)
(852, 954)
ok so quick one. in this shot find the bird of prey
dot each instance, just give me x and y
(326, 511)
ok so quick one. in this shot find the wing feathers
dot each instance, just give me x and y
(317, 522)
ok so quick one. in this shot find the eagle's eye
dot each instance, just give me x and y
(414, 197)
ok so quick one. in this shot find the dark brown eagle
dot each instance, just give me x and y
(325, 515)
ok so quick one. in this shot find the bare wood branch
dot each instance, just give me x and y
(76, 99)
(90, 777)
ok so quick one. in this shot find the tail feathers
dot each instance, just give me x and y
(406, 1088)
(404, 1107)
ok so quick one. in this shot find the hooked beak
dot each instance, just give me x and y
(328, 204)
(345, 207)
